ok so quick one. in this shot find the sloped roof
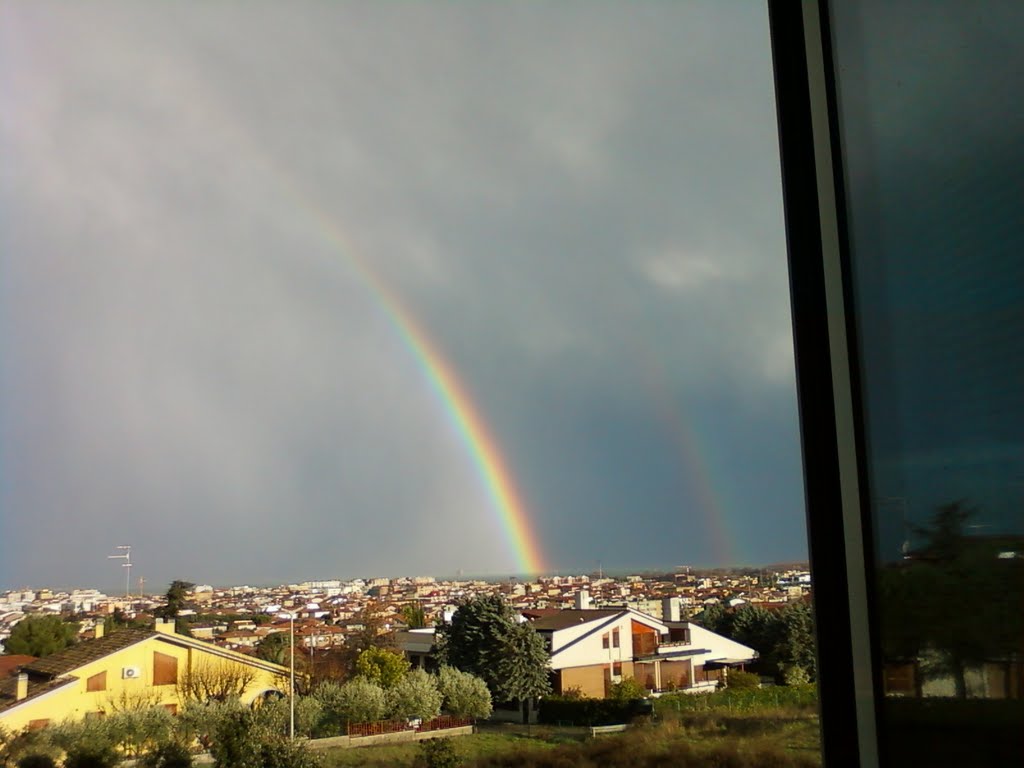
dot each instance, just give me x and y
(573, 618)
(65, 661)
(8, 690)
(92, 650)
(9, 664)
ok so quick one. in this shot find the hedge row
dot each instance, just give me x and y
(556, 711)
(741, 700)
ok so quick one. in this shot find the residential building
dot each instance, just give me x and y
(130, 665)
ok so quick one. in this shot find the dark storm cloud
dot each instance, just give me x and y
(934, 155)
(570, 200)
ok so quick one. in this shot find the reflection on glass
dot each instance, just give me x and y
(931, 124)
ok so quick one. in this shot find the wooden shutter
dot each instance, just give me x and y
(97, 682)
(165, 669)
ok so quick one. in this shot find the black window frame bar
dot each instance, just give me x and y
(824, 338)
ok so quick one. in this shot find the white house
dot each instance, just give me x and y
(593, 648)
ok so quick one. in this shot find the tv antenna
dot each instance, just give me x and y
(127, 564)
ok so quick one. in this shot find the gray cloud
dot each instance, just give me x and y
(571, 201)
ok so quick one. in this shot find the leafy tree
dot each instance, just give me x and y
(276, 648)
(200, 720)
(484, 640)
(340, 663)
(463, 694)
(474, 639)
(952, 568)
(523, 665)
(715, 618)
(177, 594)
(38, 635)
(140, 731)
(783, 639)
(414, 616)
(795, 645)
(386, 668)
(357, 701)
(944, 534)
(416, 695)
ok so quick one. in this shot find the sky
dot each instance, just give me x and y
(236, 240)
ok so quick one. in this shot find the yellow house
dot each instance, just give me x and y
(131, 668)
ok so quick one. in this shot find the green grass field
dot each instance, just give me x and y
(770, 740)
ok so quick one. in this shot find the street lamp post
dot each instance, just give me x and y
(291, 727)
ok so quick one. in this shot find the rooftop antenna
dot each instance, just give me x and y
(127, 557)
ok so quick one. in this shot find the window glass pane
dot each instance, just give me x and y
(336, 298)
(931, 124)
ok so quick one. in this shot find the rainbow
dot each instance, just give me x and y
(461, 411)
(691, 460)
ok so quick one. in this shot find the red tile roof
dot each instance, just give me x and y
(9, 664)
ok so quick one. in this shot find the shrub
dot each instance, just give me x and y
(241, 741)
(463, 694)
(200, 720)
(628, 689)
(357, 701)
(36, 760)
(795, 675)
(234, 740)
(415, 696)
(173, 754)
(439, 753)
(275, 716)
(91, 754)
(740, 680)
(588, 711)
(139, 731)
(278, 752)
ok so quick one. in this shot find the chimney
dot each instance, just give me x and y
(22, 690)
(165, 626)
(98, 630)
(670, 609)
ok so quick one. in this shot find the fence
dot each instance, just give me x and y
(443, 722)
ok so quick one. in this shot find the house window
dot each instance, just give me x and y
(617, 669)
(97, 682)
(35, 725)
(94, 715)
(165, 669)
(604, 640)
(172, 708)
(615, 638)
